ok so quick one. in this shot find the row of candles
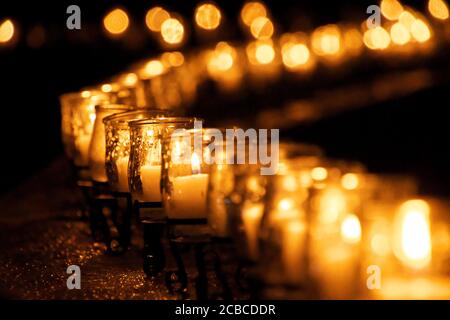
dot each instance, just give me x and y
(314, 229)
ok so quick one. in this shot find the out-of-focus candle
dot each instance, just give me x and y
(151, 179)
(251, 218)
(82, 143)
(293, 249)
(122, 174)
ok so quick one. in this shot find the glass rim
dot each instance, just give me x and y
(114, 106)
(163, 121)
(128, 116)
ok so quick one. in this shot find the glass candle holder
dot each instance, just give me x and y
(145, 155)
(67, 103)
(83, 118)
(97, 148)
(117, 131)
(185, 174)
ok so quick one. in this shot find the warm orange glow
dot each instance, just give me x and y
(407, 19)
(319, 173)
(391, 9)
(438, 9)
(294, 54)
(326, 40)
(251, 11)
(420, 31)
(264, 53)
(153, 68)
(351, 229)
(106, 87)
(6, 31)
(222, 58)
(172, 31)
(412, 234)
(332, 204)
(262, 28)
(172, 59)
(195, 163)
(377, 38)
(130, 79)
(155, 18)
(353, 41)
(380, 244)
(400, 34)
(85, 94)
(350, 181)
(116, 22)
(208, 16)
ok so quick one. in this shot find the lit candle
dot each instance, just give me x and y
(82, 145)
(150, 179)
(189, 194)
(122, 174)
(293, 249)
(251, 218)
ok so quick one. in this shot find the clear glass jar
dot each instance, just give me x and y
(97, 148)
(83, 118)
(185, 174)
(118, 144)
(68, 102)
(145, 155)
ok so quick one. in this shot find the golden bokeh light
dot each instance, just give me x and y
(172, 59)
(400, 34)
(116, 22)
(208, 16)
(352, 41)
(391, 9)
(153, 68)
(413, 237)
(377, 38)
(407, 19)
(252, 10)
(351, 229)
(222, 58)
(172, 31)
(438, 9)
(130, 79)
(6, 31)
(326, 40)
(107, 87)
(262, 28)
(264, 53)
(350, 181)
(155, 18)
(319, 173)
(294, 54)
(420, 31)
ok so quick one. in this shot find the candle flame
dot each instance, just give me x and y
(413, 237)
(195, 163)
(351, 229)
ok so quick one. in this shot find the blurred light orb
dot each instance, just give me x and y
(400, 34)
(294, 54)
(252, 10)
(130, 79)
(116, 22)
(172, 59)
(351, 229)
(353, 41)
(391, 9)
(208, 16)
(350, 181)
(319, 173)
(6, 31)
(155, 18)
(264, 53)
(262, 28)
(172, 31)
(377, 38)
(438, 9)
(420, 31)
(222, 59)
(326, 40)
(407, 19)
(153, 68)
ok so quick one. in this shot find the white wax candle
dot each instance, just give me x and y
(122, 174)
(82, 145)
(293, 249)
(251, 218)
(151, 181)
(188, 199)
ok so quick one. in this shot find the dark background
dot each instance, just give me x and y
(404, 135)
